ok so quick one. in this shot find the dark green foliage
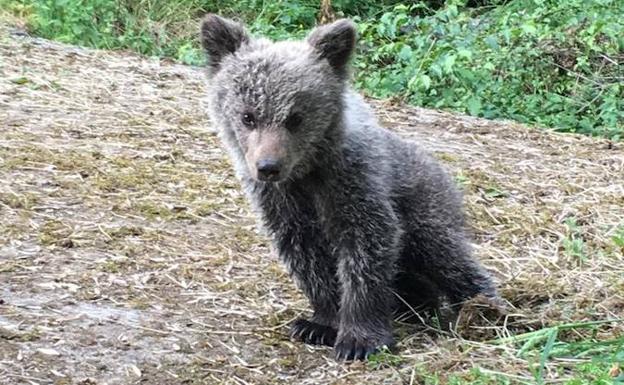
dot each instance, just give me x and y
(553, 63)
(159, 28)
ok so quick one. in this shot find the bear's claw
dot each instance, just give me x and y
(312, 333)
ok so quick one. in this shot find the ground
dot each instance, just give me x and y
(128, 254)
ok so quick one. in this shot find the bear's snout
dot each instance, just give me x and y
(268, 169)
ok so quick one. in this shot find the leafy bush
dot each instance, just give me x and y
(160, 28)
(546, 62)
(553, 63)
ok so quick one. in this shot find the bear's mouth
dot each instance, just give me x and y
(269, 178)
(269, 174)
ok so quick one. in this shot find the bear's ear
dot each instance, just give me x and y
(334, 42)
(221, 37)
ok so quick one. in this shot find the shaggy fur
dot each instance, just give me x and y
(358, 215)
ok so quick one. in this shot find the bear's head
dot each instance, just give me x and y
(275, 103)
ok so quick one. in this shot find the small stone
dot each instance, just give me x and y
(48, 352)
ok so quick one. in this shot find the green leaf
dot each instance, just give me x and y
(474, 106)
(465, 53)
(529, 28)
(436, 70)
(552, 337)
(618, 238)
(21, 80)
(405, 53)
(492, 42)
(448, 63)
(426, 81)
(493, 192)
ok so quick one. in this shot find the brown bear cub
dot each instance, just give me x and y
(363, 220)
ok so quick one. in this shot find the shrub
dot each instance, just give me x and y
(552, 63)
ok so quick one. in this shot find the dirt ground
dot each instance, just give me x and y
(128, 254)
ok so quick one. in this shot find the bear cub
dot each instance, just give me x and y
(366, 223)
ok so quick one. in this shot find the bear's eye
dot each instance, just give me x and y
(293, 121)
(249, 119)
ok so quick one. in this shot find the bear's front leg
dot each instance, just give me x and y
(318, 282)
(314, 271)
(366, 270)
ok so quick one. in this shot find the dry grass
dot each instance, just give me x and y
(127, 253)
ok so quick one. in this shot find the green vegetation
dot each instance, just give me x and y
(618, 238)
(551, 63)
(572, 350)
(607, 355)
(573, 244)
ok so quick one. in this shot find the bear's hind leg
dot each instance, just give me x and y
(415, 293)
(448, 262)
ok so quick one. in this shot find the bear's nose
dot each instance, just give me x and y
(268, 169)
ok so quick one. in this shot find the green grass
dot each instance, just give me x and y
(549, 63)
(580, 361)
(581, 353)
(574, 351)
